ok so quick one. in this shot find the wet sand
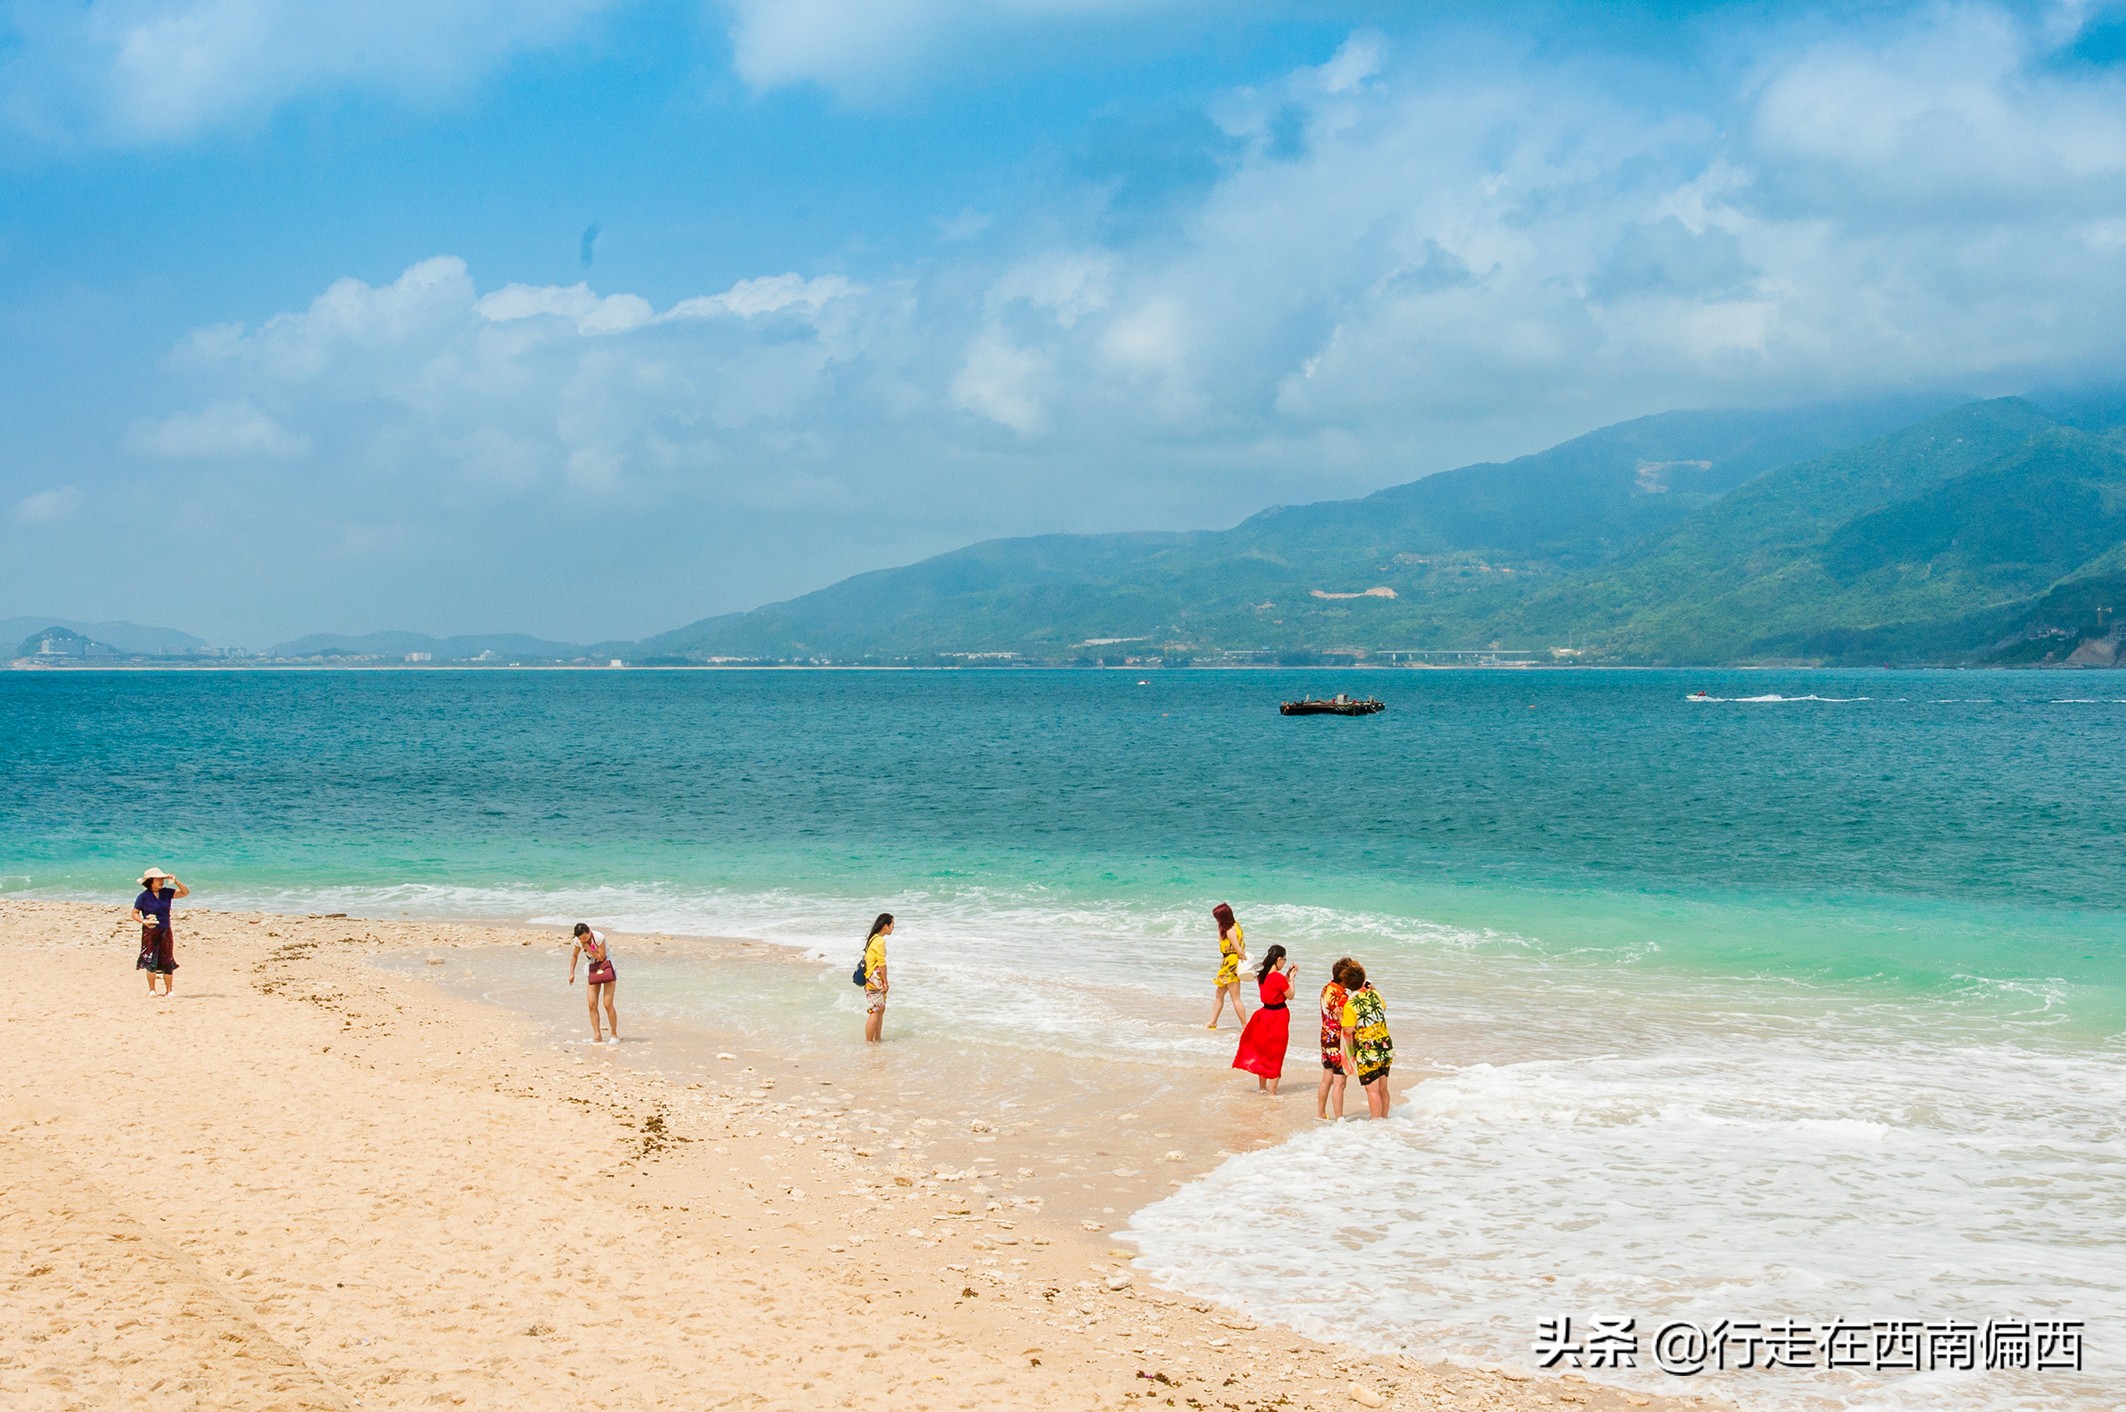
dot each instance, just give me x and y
(325, 1175)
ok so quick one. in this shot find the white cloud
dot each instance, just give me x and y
(1397, 262)
(858, 48)
(618, 313)
(1414, 261)
(521, 387)
(48, 507)
(1952, 115)
(614, 314)
(233, 429)
(1067, 285)
(146, 71)
(1004, 383)
(768, 295)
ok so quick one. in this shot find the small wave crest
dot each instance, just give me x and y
(1773, 699)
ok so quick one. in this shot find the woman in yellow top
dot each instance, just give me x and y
(1232, 955)
(875, 978)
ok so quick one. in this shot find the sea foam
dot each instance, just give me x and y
(1762, 1179)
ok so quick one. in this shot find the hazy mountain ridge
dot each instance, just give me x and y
(1992, 532)
(129, 639)
(1293, 578)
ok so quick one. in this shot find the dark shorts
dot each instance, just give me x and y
(1368, 1077)
(1334, 1066)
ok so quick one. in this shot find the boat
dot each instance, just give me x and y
(1337, 705)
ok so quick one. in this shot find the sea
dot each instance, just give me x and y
(1780, 1014)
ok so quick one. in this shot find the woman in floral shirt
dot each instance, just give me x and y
(1333, 996)
(1368, 1049)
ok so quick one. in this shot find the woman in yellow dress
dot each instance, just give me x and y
(875, 986)
(1232, 955)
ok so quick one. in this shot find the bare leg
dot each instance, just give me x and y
(1332, 1091)
(875, 1023)
(591, 994)
(1273, 1086)
(1377, 1098)
(1239, 1011)
(612, 1019)
(1217, 1007)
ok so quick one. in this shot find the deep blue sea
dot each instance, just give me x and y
(1805, 998)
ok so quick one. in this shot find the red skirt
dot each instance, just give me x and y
(158, 951)
(1264, 1041)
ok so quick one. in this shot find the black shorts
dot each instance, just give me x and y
(1334, 1066)
(1369, 1077)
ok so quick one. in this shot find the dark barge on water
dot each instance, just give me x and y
(1337, 705)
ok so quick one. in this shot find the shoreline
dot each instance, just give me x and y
(21, 665)
(546, 1223)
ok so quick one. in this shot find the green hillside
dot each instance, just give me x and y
(1831, 543)
(1991, 532)
(1295, 578)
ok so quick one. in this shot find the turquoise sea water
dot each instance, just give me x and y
(1822, 980)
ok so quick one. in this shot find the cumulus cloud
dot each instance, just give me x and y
(146, 71)
(230, 430)
(1407, 259)
(1955, 115)
(1398, 262)
(520, 387)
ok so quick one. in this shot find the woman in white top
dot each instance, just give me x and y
(600, 980)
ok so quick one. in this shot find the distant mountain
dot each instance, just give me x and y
(404, 646)
(127, 638)
(63, 646)
(1972, 510)
(1337, 573)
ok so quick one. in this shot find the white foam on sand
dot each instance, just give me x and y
(1760, 1179)
(1025, 967)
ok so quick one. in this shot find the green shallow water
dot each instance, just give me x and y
(1916, 833)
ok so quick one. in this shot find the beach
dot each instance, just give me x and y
(1793, 1006)
(311, 1180)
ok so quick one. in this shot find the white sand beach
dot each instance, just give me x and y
(312, 1181)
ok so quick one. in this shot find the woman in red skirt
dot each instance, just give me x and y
(158, 946)
(1269, 1029)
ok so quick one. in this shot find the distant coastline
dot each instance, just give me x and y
(1989, 535)
(1384, 668)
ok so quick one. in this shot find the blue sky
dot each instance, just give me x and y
(591, 317)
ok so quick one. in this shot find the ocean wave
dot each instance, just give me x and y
(1762, 1179)
(1774, 699)
(1017, 960)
